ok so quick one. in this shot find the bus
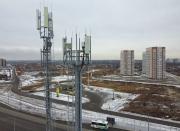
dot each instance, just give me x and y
(103, 125)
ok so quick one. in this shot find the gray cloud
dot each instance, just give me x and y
(114, 25)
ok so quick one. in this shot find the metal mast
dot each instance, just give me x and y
(46, 33)
(77, 59)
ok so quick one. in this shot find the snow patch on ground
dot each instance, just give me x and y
(61, 112)
(28, 78)
(93, 70)
(62, 78)
(62, 97)
(113, 101)
(7, 71)
(3, 81)
(117, 104)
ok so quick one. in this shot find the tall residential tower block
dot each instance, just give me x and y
(2, 62)
(154, 63)
(127, 62)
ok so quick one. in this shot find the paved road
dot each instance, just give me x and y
(16, 121)
(96, 107)
(10, 123)
(12, 120)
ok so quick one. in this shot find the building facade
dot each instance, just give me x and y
(2, 63)
(144, 63)
(155, 63)
(127, 62)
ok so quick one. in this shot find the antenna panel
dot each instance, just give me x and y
(50, 22)
(38, 19)
(50, 16)
(46, 17)
(87, 44)
(66, 46)
(63, 44)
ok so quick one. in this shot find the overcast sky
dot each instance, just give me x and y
(114, 24)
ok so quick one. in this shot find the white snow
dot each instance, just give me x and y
(28, 78)
(3, 81)
(62, 97)
(66, 113)
(116, 104)
(8, 71)
(62, 78)
(62, 112)
(93, 70)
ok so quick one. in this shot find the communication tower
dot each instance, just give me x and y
(77, 59)
(45, 28)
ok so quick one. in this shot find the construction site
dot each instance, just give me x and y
(135, 106)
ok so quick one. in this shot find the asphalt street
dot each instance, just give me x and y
(13, 120)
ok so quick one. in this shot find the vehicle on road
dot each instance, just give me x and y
(99, 124)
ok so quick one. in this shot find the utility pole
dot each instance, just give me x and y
(77, 59)
(46, 33)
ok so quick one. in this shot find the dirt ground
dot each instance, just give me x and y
(153, 100)
(173, 68)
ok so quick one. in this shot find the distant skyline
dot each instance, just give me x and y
(115, 25)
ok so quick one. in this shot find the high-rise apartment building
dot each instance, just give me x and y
(144, 63)
(154, 63)
(2, 62)
(127, 62)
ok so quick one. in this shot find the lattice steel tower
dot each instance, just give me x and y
(46, 33)
(77, 59)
